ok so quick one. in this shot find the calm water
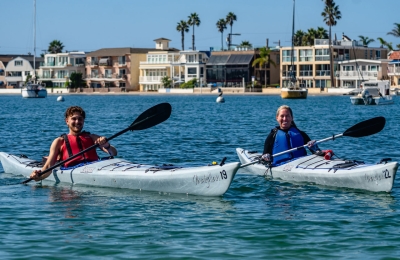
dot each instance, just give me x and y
(256, 218)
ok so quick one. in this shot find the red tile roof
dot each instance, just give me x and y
(395, 55)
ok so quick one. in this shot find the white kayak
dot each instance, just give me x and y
(213, 180)
(336, 173)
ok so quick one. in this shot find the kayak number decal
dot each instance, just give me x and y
(378, 177)
(87, 170)
(208, 179)
(287, 167)
(224, 175)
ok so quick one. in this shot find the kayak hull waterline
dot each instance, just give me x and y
(211, 180)
(336, 173)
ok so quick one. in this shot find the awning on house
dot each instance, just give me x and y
(392, 62)
(217, 60)
(243, 59)
(103, 61)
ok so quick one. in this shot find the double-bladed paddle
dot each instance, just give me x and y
(364, 128)
(149, 118)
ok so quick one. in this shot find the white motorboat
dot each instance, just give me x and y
(211, 180)
(316, 169)
(374, 93)
(34, 90)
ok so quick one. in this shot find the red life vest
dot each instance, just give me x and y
(73, 145)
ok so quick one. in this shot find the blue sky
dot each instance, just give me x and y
(88, 25)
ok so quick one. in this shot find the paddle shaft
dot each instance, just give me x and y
(89, 148)
(294, 149)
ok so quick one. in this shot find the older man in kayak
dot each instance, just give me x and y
(72, 143)
(285, 137)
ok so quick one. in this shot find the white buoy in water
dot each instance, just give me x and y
(60, 98)
(220, 98)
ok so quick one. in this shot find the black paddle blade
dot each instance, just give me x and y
(152, 116)
(367, 127)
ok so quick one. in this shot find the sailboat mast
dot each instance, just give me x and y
(293, 76)
(34, 40)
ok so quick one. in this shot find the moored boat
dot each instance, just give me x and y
(212, 180)
(32, 90)
(374, 93)
(336, 173)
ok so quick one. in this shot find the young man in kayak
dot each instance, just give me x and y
(77, 140)
(285, 137)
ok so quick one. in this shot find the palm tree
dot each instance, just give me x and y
(264, 59)
(309, 37)
(396, 31)
(246, 44)
(230, 18)
(193, 20)
(385, 43)
(298, 38)
(321, 33)
(331, 14)
(182, 27)
(55, 47)
(365, 40)
(221, 25)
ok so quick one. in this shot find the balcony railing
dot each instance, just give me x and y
(322, 73)
(393, 70)
(305, 73)
(150, 78)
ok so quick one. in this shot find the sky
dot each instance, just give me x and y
(89, 25)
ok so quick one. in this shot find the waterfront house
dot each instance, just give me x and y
(394, 69)
(351, 73)
(230, 68)
(57, 68)
(2, 75)
(161, 62)
(19, 69)
(312, 63)
(114, 69)
(190, 65)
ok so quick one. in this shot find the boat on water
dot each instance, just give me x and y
(294, 90)
(374, 93)
(329, 172)
(210, 180)
(34, 90)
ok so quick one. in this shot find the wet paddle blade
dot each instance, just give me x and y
(152, 116)
(367, 127)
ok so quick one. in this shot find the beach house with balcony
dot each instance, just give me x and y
(394, 69)
(18, 70)
(161, 62)
(114, 69)
(57, 68)
(312, 63)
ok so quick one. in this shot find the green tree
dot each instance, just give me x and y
(309, 37)
(395, 31)
(264, 59)
(194, 20)
(76, 80)
(221, 25)
(182, 27)
(55, 47)
(331, 15)
(298, 38)
(321, 33)
(190, 84)
(166, 82)
(365, 40)
(230, 18)
(385, 43)
(245, 44)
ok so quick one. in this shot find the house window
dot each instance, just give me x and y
(322, 54)
(286, 56)
(18, 63)
(192, 71)
(121, 60)
(107, 73)
(122, 72)
(191, 58)
(377, 54)
(366, 54)
(306, 55)
(27, 73)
